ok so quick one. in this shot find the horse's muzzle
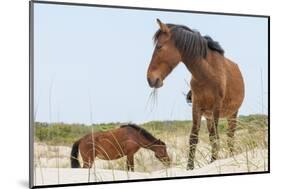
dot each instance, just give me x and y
(155, 83)
(166, 161)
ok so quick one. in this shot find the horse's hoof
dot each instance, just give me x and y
(213, 158)
(189, 167)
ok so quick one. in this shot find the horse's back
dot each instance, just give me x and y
(109, 145)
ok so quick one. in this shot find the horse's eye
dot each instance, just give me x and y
(158, 47)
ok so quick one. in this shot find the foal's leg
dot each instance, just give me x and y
(213, 138)
(193, 139)
(88, 159)
(130, 162)
(87, 163)
(232, 122)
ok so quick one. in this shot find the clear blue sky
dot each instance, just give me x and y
(90, 63)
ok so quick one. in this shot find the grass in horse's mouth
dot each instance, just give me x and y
(152, 100)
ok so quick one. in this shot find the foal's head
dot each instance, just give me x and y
(160, 150)
(165, 57)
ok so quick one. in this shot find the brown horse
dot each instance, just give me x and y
(217, 85)
(114, 144)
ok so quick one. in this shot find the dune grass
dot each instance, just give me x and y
(250, 155)
(251, 134)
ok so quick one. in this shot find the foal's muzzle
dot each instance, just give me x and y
(166, 161)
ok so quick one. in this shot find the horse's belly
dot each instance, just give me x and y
(109, 151)
(223, 114)
(105, 157)
(109, 156)
(206, 102)
(225, 111)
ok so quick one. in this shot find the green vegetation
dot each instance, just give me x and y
(66, 134)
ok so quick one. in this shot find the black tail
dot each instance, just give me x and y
(189, 97)
(74, 155)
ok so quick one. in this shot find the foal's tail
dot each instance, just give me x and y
(74, 155)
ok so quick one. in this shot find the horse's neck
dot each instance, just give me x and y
(141, 140)
(147, 144)
(201, 69)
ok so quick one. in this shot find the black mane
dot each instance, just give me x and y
(143, 132)
(190, 42)
(214, 45)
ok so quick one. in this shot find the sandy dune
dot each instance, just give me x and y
(252, 161)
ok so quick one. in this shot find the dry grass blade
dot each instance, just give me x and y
(152, 101)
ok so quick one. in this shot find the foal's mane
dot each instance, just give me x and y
(190, 42)
(144, 133)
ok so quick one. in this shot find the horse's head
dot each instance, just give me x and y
(160, 151)
(165, 57)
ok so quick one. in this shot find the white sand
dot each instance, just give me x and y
(255, 160)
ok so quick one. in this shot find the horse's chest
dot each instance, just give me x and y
(205, 99)
(207, 94)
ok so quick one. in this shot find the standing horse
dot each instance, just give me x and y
(217, 85)
(114, 144)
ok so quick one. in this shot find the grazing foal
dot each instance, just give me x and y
(114, 144)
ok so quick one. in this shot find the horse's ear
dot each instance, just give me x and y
(163, 27)
(159, 141)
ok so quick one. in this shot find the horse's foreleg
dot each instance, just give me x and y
(213, 138)
(232, 122)
(193, 139)
(130, 162)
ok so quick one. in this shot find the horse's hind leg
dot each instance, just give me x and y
(232, 123)
(88, 159)
(87, 164)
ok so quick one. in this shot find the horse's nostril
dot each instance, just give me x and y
(157, 81)
(154, 82)
(149, 81)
